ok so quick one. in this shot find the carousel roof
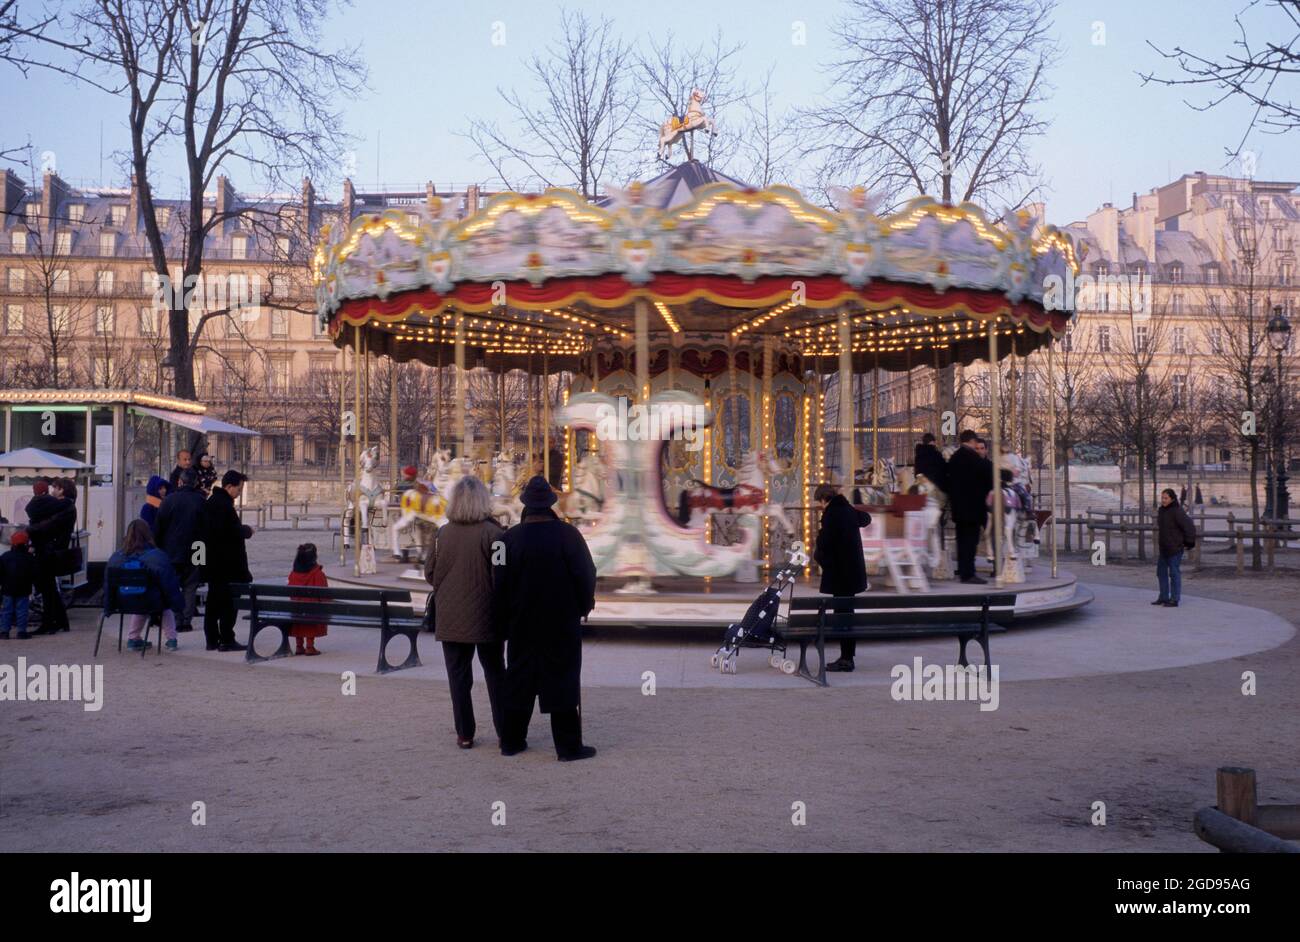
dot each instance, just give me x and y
(552, 273)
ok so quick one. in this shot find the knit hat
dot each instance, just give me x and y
(537, 494)
(19, 538)
(39, 488)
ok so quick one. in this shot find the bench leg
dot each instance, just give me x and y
(961, 658)
(250, 655)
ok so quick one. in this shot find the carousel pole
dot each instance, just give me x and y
(765, 438)
(532, 382)
(1026, 427)
(356, 450)
(938, 374)
(392, 427)
(908, 434)
(343, 449)
(365, 391)
(460, 385)
(996, 441)
(546, 414)
(501, 404)
(1011, 394)
(643, 349)
(1051, 439)
(875, 414)
(437, 417)
(847, 455)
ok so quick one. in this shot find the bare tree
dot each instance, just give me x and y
(936, 93)
(767, 147)
(1073, 367)
(670, 71)
(572, 128)
(228, 83)
(1262, 71)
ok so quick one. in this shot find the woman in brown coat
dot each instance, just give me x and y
(459, 567)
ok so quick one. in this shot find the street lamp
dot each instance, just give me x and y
(1279, 338)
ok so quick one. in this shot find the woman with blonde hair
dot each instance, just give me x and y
(459, 568)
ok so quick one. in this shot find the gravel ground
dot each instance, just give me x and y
(285, 761)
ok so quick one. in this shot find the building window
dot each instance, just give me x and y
(1212, 274)
(104, 281)
(18, 241)
(200, 362)
(116, 214)
(102, 370)
(164, 216)
(60, 320)
(282, 449)
(76, 212)
(104, 320)
(279, 287)
(148, 322)
(1284, 273)
(62, 281)
(13, 318)
(1067, 342)
(1176, 304)
(207, 214)
(317, 327)
(1180, 340)
(1179, 387)
(1141, 337)
(239, 247)
(282, 246)
(279, 376)
(1176, 274)
(63, 243)
(279, 323)
(107, 243)
(15, 281)
(1103, 339)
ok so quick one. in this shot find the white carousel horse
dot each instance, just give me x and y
(674, 129)
(881, 482)
(368, 492)
(445, 471)
(1019, 526)
(587, 498)
(749, 496)
(506, 505)
(934, 501)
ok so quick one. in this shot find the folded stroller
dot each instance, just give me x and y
(757, 629)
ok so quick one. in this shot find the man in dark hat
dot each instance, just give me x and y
(970, 479)
(226, 561)
(543, 589)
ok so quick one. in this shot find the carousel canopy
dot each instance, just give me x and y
(550, 276)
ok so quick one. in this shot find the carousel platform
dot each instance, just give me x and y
(684, 602)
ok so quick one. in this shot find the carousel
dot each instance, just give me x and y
(690, 345)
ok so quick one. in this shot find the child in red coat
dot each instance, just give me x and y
(307, 571)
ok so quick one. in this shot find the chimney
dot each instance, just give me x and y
(133, 206)
(349, 202)
(225, 202)
(12, 191)
(54, 193)
(430, 193)
(308, 225)
(471, 199)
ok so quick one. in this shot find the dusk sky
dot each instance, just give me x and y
(433, 66)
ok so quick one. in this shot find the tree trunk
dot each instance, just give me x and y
(1256, 562)
(1066, 468)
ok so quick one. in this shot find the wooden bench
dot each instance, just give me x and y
(282, 606)
(816, 619)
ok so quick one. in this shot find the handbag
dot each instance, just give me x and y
(65, 562)
(430, 609)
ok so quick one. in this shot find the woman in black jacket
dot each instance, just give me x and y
(1175, 533)
(52, 516)
(839, 554)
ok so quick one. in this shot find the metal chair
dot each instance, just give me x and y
(132, 601)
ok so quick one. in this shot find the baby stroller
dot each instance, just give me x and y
(756, 628)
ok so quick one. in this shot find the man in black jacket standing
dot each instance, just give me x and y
(225, 562)
(839, 554)
(541, 592)
(51, 520)
(176, 529)
(970, 479)
(929, 461)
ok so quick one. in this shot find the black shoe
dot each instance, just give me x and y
(213, 647)
(1171, 605)
(586, 752)
(1160, 602)
(513, 750)
(843, 665)
(975, 580)
(232, 646)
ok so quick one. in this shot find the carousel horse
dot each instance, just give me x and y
(1019, 528)
(749, 496)
(587, 498)
(424, 507)
(445, 470)
(506, 506)
(674, 129)
(368, 492)
(881, 483)
(935, 499)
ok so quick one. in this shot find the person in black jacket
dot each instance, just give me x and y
(225, 561)
(541, 593)
(970, 479)
(839, 554)
(17, 576)
(1175, 533)
(183, 461)
(52, 516)
(929, 461)
(176, 528)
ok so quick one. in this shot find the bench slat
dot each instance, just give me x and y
(332, 593)
(814, 603)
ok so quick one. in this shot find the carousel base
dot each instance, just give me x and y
(692, 602)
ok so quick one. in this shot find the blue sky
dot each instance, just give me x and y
(433, 66)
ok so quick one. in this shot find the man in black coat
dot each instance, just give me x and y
(541, 593)
(225, 562)
(839, 554)
(51, 520)
(929, 461)
(176, 529)
(184, 461)
(970, 479)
